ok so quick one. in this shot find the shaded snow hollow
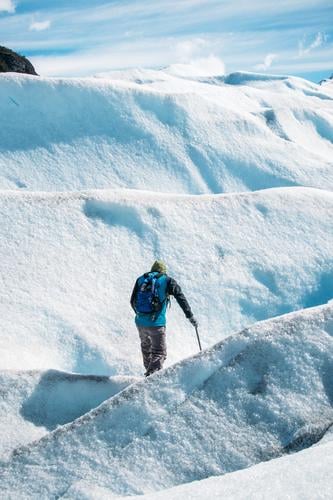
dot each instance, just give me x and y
(153, 130)
(265, 392)
(34, 403)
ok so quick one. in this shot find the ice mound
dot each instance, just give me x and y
(69, 262)
(152, 130)
(241, 402)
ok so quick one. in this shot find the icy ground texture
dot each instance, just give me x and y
(303, 476)
(69, 262)
(34, 403)
(254, 396)
(157, 131)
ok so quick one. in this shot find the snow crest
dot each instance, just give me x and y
(156, 131)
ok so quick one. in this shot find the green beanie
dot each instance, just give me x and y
(159, 267)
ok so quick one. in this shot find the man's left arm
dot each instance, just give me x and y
(175, 290)
(134, 295)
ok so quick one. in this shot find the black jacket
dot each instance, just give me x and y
(172, 289)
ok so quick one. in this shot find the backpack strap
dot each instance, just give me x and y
(154, 279)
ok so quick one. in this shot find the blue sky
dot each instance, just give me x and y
(85, 37)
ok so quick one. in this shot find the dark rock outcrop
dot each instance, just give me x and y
(329, 79)
(11, 61)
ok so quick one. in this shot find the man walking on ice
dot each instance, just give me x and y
(149, 301)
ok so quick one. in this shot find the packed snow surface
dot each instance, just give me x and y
(254, 396)
(69, 262)
(154, 130)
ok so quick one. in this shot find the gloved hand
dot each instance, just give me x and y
(193, 321)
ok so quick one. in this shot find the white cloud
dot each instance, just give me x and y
(195, 57)
(269, 58)
(318, 41)
(7, 6)
(206, 66)
(187, 49)
(90, 62)
(39, 26)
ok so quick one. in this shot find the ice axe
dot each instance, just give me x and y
(196, 331)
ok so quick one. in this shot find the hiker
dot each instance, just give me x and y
(149, 301)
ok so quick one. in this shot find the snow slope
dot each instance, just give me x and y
(254, 396)
(153, 130)
(69, 262)
(34, 403)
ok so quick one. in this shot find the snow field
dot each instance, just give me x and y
(255, 396)
(69, 262)
(155, 131)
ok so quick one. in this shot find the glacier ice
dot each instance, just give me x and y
(234, 405)
(228, 179)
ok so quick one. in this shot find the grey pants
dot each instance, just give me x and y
(153, 347)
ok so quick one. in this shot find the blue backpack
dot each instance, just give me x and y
(147, 298)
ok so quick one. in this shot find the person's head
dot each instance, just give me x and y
(159, 267)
